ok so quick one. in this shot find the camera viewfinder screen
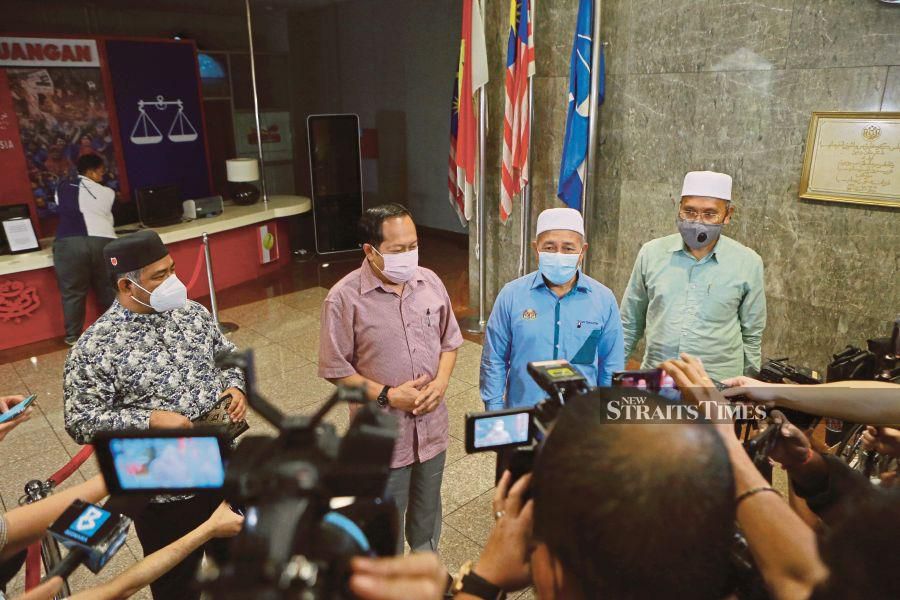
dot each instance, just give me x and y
(168, 463)
(501, 430)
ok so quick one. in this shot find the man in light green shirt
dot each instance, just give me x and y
(698, 291)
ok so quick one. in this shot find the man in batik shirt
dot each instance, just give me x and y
(149, 363)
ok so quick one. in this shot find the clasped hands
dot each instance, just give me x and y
(419, 396)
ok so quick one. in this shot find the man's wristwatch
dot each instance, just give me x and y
(469, 582)
(382, 400)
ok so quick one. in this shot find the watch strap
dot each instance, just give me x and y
(475, 585)
(383, 397)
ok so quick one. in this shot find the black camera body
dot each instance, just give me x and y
(297, 540)
(516, 451)
(311, 499)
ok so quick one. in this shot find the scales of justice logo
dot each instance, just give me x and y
(145, 130)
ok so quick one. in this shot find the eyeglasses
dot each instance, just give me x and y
(710, 217)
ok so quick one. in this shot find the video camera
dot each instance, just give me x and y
(311, 499)
(521, 430)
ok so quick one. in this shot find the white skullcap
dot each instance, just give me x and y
(560, 218)
(707, 184)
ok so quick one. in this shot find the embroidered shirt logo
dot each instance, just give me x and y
(582, 323)
(529, 314)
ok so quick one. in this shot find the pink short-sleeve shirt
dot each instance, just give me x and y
(371, 330)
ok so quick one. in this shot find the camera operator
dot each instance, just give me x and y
(6, 403)
(620, 510)
(858, 401)
(223, 523)
(149, 363)
(828, 485)
(859, 547)
(389, 327)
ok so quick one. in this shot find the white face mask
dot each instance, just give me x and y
(400, 267)
(169, 295)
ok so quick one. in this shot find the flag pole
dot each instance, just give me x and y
(592, 130)
(477, 324)
(526, 193)
(470, 324)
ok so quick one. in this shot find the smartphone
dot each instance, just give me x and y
(499, 429)
(652, 380)
(162, 462)
(18, 409)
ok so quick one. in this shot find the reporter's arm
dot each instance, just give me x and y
(223, 523)
(45, 591)
(875, 402)
(783, 546)
(26, 524)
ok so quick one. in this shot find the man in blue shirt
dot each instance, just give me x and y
(555, 312)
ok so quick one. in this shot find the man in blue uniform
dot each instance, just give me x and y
(555, 312)
(85, 227)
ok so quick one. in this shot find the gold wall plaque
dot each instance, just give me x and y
(853, 157)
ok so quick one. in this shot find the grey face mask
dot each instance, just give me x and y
(697, 234)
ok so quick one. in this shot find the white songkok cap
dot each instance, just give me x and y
(560, 218)
(707, 184)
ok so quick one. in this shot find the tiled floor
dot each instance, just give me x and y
(283, 331)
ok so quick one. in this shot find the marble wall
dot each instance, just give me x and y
(723, 85)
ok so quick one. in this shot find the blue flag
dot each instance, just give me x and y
(574, 156)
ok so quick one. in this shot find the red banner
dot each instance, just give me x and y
(15, 187)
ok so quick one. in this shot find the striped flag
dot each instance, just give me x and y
(471, 75)
(457, 195)
(517, 122)
(571, 169)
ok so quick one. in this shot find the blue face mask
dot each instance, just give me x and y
(557, 267)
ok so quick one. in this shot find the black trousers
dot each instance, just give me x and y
(79, 265)
(161, 524)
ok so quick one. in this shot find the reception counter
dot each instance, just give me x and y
(30, 305)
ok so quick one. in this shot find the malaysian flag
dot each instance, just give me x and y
(517, 123)
(472, 75)
(457, 196)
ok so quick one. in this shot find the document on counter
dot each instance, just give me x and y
(20, 235)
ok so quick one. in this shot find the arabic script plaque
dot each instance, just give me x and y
(853, 157)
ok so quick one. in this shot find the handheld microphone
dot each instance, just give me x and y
(93, 535)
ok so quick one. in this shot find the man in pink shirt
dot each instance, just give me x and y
(389, 327)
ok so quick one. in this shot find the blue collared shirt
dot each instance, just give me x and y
(714, 308)
(530, 323)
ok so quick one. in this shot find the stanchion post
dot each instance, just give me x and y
(213, 304)
(592, 129)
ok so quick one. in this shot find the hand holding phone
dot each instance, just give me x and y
(15, 410)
